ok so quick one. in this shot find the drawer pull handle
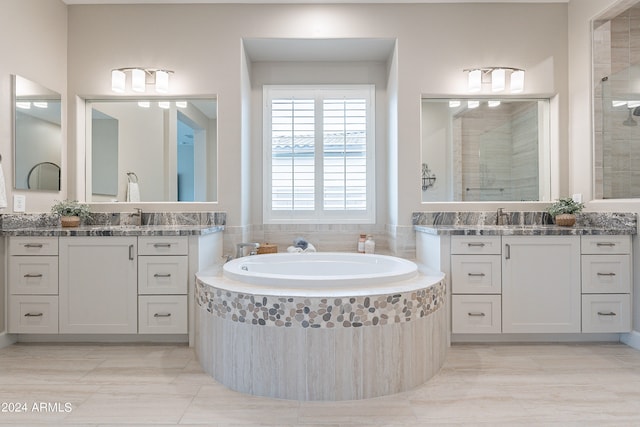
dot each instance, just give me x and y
(162, 275)
(33, 245)
(33, 315)
(605, 244)
(162, 315)
(481, 245)
(476, 314)
(131, 255)
(162, 245)
(610, 313)
(32, 275)
(606, 274)
(476, 274)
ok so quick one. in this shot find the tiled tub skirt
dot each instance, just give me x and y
(304, 348)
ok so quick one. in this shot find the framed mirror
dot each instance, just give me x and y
(485, 150)
(37, 136)
(163, 150)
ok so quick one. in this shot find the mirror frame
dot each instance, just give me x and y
(84, 128)
(548, 152)
(47, 94)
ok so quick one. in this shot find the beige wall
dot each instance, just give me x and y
(33, 45)
(202, 44)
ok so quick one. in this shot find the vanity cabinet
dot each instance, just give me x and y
(606, 284)
(541, 284)
(98, 285)
(476, 284)
(162, 285)
(33, 285)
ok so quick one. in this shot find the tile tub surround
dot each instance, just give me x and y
(523, 223)
(316, 348)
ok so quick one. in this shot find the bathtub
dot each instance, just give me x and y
(316, 273)
(320, 326)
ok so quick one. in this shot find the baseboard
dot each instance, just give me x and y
(632, 339)
(7, 339)
(105, 338)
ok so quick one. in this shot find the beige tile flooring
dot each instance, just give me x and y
(507, 385)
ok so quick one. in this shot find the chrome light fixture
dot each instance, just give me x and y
(428, 177)
(496, 77)
(140, 78)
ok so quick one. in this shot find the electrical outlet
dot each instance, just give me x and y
(19, 202)
(577, 197)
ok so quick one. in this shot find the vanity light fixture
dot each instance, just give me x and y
(616, 103)
(428, 177)
(496, 77)
(633, 104)
(140, 78)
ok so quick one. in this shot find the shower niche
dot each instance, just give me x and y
(616, 73)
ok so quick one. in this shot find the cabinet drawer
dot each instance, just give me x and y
(606, 274)
(484, 245)
(33, 314)
(162, 314)
(606, 313)
(33, 246)
(163, 245)
(605, 244)
(476, 314)
(476, 274)
(162, 275)
(37, 275)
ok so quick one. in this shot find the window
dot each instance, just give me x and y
(319, 154)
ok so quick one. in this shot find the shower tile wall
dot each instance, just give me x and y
(616, 64)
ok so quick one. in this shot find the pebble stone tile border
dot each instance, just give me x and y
(321, 312)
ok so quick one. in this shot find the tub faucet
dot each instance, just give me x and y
(240, 249)
(502, 218)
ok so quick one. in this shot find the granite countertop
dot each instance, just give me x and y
(521, 230)
(116, 230)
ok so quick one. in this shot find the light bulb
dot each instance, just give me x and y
(138, 80)
(164, 104)
(144, 104)
(493, 103)
(454, 104)
(497, 80)
(517, 81)
(162, 81)
(117, 81)
(475, 80)
(473, 104)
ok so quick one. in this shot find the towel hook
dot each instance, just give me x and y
(131, 176)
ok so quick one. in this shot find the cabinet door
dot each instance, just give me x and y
(541, 284)
(98, 285)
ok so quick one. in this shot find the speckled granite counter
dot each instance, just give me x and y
(116, 230)
(116, 224)
(522, 224)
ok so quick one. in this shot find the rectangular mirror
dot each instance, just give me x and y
(485, 150)
(151, 151)
(37, 136)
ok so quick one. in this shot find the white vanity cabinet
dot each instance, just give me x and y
(163, 264)
(541, 284)
(606, 284)
(33, 285)
(476, 284)
(98, 285)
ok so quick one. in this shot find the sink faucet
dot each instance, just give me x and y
(240, 249)
(502, 218)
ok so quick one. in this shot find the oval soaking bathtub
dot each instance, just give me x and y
(320, 326)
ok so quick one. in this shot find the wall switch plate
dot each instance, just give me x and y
(577, 197)
(19, 202)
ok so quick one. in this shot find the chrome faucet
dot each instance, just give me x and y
(500, 217)
(240, 249)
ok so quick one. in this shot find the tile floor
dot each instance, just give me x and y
(492, 385)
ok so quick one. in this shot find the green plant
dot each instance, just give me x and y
(565, 206)
(71, 208)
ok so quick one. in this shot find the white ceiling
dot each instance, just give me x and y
(71, 2)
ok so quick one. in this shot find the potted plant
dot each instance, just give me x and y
(563, 211)
(71, 212)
